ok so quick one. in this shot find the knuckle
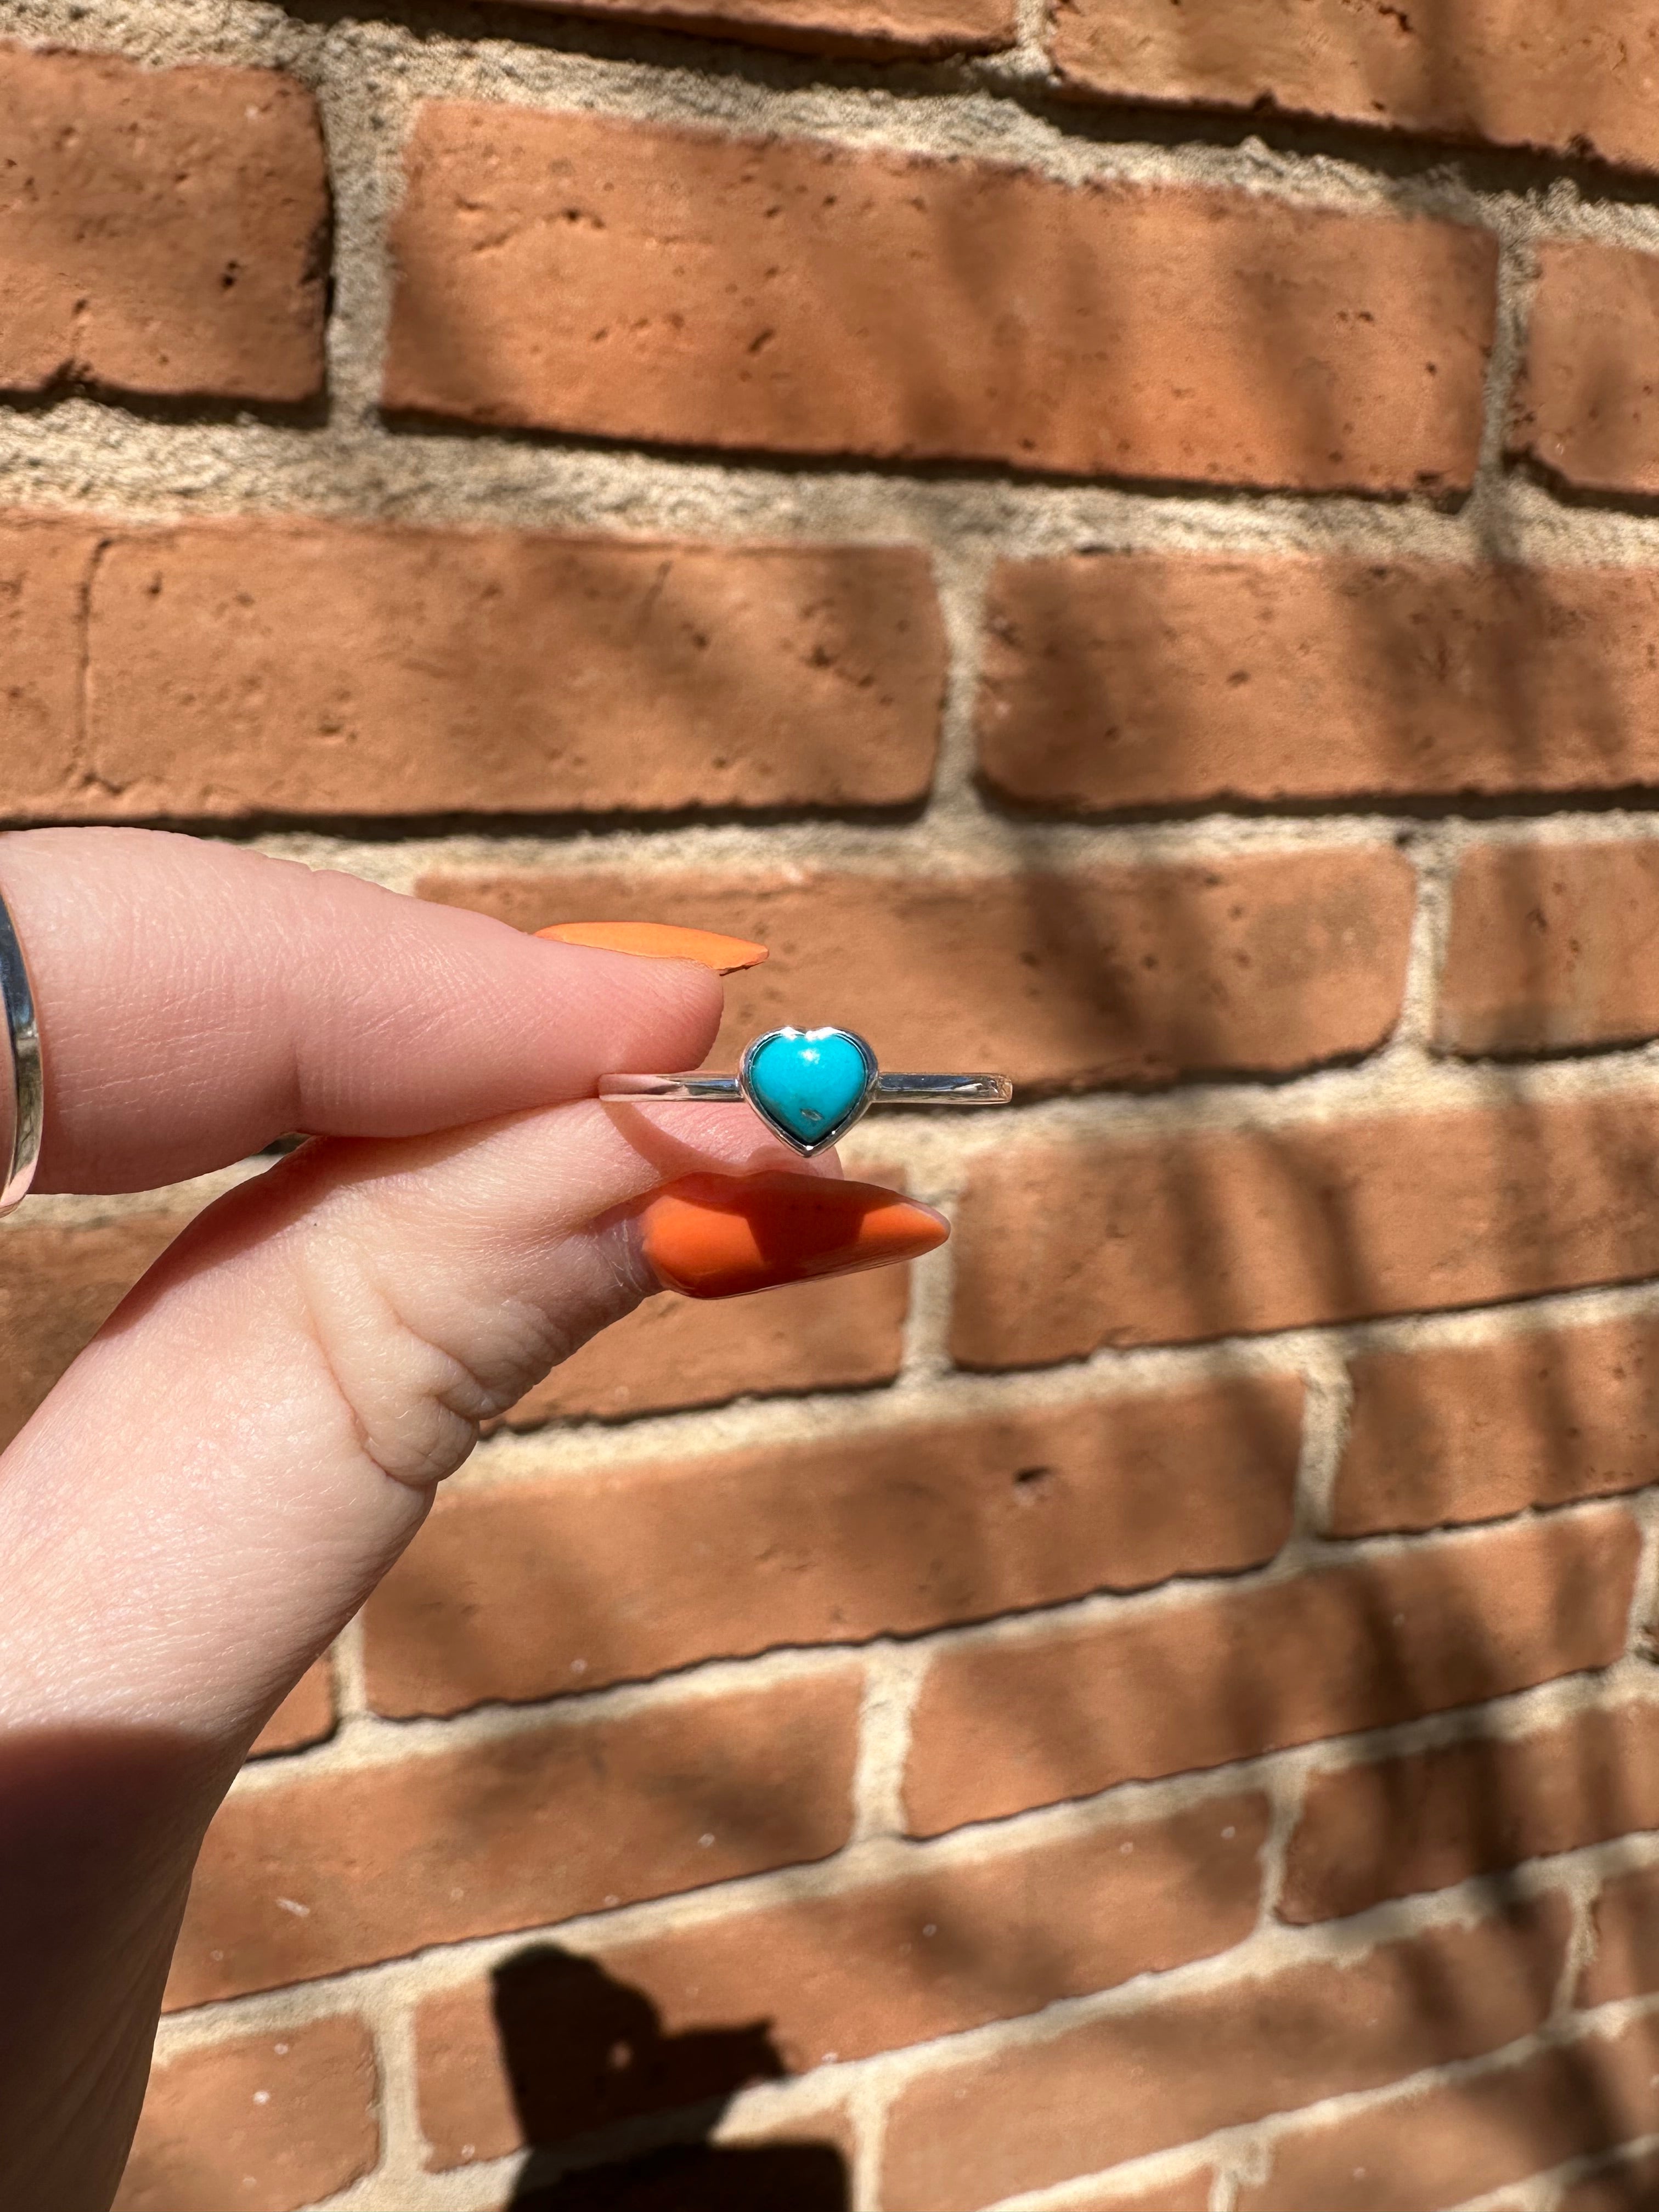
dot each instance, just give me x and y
(417, 1373)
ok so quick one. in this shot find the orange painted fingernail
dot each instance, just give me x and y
(718, 1237)
(660, 940)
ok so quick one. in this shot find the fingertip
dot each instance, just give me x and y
(665, 1013)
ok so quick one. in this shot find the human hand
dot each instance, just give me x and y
(218, 1482)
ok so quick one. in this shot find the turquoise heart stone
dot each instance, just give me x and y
(808, 1083)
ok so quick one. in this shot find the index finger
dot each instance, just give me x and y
(197, 1000)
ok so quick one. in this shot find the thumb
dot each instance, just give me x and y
(225, 1473)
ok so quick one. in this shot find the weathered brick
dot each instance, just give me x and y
(1436, 1817)
(1507, 72)
(306, 1716)
(311, 1874)
(1453, 2141)
(1115, 2089)
(688, 675)
(576, 272)
(1219, 1675)
(1551, 947)
(1586, 404)
(837, 1334)
(161, 230)
(268, 2122)
(1472, 1433)
(944, 1948)
(1625, 1936)
(1124, 680)
(1065, 1246)
(876, 29)
(527, 1589)
(1632, 2185)
(1190, 2195)
(831, 2125)
(45, 566)
(752, 2158)
(1119, 975)
(59, 1282)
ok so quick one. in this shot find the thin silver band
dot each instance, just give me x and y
(22, 1097)
(889, 1091)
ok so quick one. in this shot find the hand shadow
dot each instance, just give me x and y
(618, 2116)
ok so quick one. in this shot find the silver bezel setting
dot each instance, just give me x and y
(855, 1112)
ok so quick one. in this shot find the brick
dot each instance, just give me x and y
(878, 30)
(161, 230)
(1552, 947)
(947, 1947)
(305, 1716)
(1190, 2195)
(1631, 2186)
(751, 2159)
(1625, 1939)
(1226, 1675)
(1472, 1433)
(1453, 2141)
(527, 1589)
(1127, 680)
(814, 2152)
(309, 1874)
(747, 2161)
(1421, 1822)
(690, 676)
(270, 2123)
(1125, 976)
(1586, 407)
(45, 567)
(1063, 1246)
(1112, 2089)
(837, 1334)
(796, 296)
(748, 2120)
(59, 1282)
(1504, 72)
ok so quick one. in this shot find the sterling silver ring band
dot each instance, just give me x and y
(809, 1086)
(890, 1090)
(22, 1088)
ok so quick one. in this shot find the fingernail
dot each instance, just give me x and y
(659, 940)
(718, 1237)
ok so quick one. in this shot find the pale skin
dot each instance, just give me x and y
(225, 1474)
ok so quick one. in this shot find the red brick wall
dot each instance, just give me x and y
(1123, 545)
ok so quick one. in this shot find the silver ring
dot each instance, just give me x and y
(808, 1086)
(20, 1148)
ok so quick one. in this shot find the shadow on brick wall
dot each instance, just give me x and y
(620, 2116)
(593, 2077)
